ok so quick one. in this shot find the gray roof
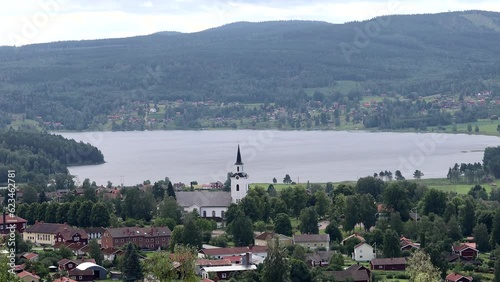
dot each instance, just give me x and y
(304, 238)
(203, 199)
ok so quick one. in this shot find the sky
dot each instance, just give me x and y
(36, 21)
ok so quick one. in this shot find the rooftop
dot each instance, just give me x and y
(311, 238)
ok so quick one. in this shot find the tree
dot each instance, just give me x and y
(336, 262)
(391, 248)
(272, 191)
(395, 197)
(351, 213)
(418, 174)
(62, 212)
(160, 267)
(42, 198)
(476, 128)
(95, 252)
(275, 180)
(497, 270)
(399, 175)
(99, 216)
(322, 203)
(276, 266)
(83, 214)
(370, 185)
(396, 223)
(169, 208)
(131, 266)
(242, 229)
(334, 232)
(51, 212)
(282, 224)
(170, 190)
(192, 235)
(434, 201)
(495, 232)
(158, 191)
(299, 253)
(308, 221)
(453, 229)
(482, 237)
(367, 211)
(29, 194)
(73, 214)
(421, 269)
(469, 128)
(6, 272)
(467, 216)
(299, 271)
(177, 237)
(287, 179)
(186, 257)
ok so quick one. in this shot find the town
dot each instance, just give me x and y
(380, 229)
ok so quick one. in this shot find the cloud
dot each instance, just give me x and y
(32, 21)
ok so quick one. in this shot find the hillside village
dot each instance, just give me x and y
(331, 234)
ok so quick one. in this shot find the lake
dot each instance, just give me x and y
(316, 156)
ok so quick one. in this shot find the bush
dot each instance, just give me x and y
(402, 276)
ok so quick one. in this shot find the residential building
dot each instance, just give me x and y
(465, 251)
(99, 272)
(363, 252)
(95, 233)
(319, 258)
(454, 277)
(361, 239)
(33, 257)
(388, 264)
(151, 238)
(265, 237)
(64, 279)
(312, 241)
(225, 272)
(79, 275)
(220, 253)
(51, 233)
(8, 222)
(408, 245)
(111, 253)
(201, 263)
(354, 273)
(28, 276)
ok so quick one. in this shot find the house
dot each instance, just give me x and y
(64, 279)
(52, 233)
(68, 234)
(407, 244)
(220, 253)
(201, 263)
(414, 216)
(95, 233)
(81, 275)
(225, 272)
(354, 273)
(319, 258)
(111, 253)
(453, 277)
(30, 257)
(363, 252)
(28, 276)
(263, 238)
(8, 222)
(466, 251)
(151, 238)
(312, 241)
(361, 239)
(388, 264)
(66, 264)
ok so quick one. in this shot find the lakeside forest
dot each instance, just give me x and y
(419, 72)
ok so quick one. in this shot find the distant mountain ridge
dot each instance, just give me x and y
(253, 63)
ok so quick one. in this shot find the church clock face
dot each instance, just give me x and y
(237, 177)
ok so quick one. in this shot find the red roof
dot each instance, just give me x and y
(29, 256)
(456, 277)
(12, 219)
(25, 273)
(64, 279)
(214, 262)
(463, 247)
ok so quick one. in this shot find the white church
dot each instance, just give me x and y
(213, 205)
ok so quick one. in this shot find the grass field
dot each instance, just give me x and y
(441, 184)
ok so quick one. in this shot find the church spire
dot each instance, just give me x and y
(238, 157)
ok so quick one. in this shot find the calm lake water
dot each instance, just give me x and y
(317, 156)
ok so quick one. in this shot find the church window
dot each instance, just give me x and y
(237, 187)
(213, 213)
(238, 169)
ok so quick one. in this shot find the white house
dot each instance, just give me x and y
(363, 252)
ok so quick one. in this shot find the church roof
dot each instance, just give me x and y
(238, 157)
(203, 199)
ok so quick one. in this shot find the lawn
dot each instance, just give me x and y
(441, 184)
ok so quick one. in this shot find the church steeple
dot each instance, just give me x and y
(238, 157)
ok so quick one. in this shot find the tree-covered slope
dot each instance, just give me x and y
(81, 82)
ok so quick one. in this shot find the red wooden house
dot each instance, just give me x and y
(388, 264)
(465, 251)
(453, 277)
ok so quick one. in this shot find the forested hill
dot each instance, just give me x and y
(80, 83)
(32, 155)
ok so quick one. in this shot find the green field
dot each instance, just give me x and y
(441, 184)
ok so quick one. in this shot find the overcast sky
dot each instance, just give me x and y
(33, 21)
